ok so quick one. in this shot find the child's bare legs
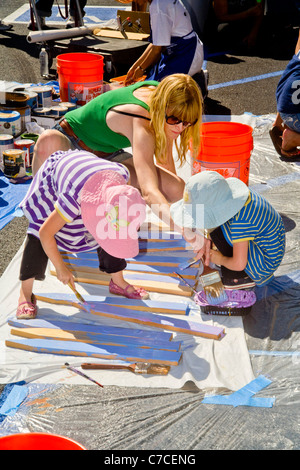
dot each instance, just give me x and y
(26, 290)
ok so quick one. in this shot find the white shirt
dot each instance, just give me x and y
(171, 18)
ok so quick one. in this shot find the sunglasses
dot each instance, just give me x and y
(173, 121)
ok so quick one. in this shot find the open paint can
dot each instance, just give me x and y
(10, 122)
(27, 146)
(14, 163)
(6, 142)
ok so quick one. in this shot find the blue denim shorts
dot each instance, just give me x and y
(118, 156)
(292, 121)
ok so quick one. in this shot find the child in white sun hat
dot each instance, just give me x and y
(247, 231)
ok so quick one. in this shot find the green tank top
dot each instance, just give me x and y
(89, 121)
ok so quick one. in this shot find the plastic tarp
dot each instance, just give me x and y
(133, 412)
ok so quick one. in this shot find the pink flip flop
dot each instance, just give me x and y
(27, 310)
(138, 293)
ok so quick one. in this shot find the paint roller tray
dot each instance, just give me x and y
(238, 303)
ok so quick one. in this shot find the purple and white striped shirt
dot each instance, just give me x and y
(57, 186)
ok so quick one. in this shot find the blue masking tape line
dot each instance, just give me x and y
(274, 182)
(258, 402)
(245, 80)
(274, 353)
(14, 399)
(244, 396)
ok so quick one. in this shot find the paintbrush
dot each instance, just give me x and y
(187, 264)
(186, 283)
(82, 374)
(211, 299)
(137, 368)
(213, 287)
(79, 297)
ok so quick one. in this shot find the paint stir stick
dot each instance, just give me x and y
(82, 374)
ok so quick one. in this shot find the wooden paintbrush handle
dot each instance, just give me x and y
(87, 365)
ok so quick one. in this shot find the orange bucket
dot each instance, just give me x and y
(38, 441)
(225, 147)
(80, 76)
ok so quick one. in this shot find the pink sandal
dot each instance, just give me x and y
(27, 310)
(138, 293)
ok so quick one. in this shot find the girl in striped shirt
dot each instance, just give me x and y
(79, 202)
(246, 230)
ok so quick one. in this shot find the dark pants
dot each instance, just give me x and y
(226, 250)
(44, 7)
(34, 261)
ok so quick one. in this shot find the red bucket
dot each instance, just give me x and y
(80, 76)
(38, 441)
(225, 147)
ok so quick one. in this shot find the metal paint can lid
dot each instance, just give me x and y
(9, 116)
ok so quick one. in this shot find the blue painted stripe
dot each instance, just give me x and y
(245, 80)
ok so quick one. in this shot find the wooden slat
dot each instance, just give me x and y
(110, 340)
(90, 329)
(154, 306)
(160, 285)
(74, 348)
(151, 319)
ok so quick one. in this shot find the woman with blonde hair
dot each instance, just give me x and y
(147, 116)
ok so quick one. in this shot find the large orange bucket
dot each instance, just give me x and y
(38, 441)
(225, 147)
(80, 76)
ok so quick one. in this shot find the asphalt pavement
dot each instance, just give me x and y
(239, 82)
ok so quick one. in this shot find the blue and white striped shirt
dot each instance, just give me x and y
(260, 224)
(57, 186)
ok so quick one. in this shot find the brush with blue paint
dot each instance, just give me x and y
(79, 297)
(187, 264)
(212, 285)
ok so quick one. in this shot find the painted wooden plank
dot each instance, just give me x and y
(74, 348)
(189, 273)
(152, 320)
(157, 285)
(154, 306)
(84, 337)
(155, 259)
(91, 329)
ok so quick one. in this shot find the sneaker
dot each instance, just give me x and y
(5, 27)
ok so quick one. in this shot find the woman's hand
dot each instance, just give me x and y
(134, 73)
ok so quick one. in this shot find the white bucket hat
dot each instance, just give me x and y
(209, 200)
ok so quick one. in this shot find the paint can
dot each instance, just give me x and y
(27, 146)
(14, 163)
(42, 111)
(68, 105)
(30, 136)
(25, 114)
(32, 96)
(59, 111)
(6, 142)
(44, 95)
(10, 122)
